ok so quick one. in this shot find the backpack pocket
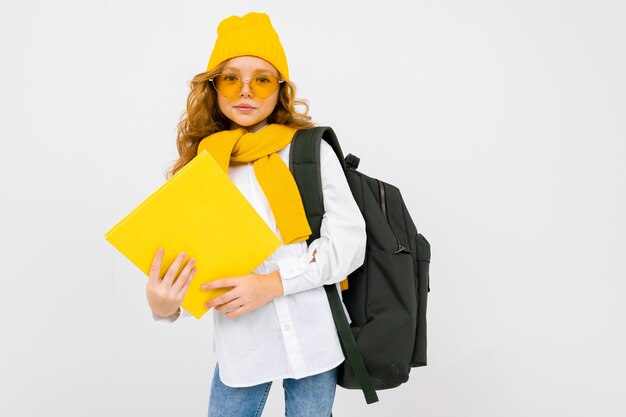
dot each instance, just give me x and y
(385, 341)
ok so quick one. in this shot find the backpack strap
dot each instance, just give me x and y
(304, 163)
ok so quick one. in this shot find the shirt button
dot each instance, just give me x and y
(287, 327)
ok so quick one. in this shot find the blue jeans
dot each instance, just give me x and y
(312, 396)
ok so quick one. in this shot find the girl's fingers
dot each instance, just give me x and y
(183, 276)
(236, 303)
(183, 291)
(155, 267)
(239, 312)
(221, 283)
(224, 298)
(173, 269)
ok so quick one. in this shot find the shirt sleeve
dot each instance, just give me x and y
(340, 249)
(171, 319)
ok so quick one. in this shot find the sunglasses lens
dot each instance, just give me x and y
(227, 85)
(262, 86)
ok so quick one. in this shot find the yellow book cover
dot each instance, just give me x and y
(200, 211)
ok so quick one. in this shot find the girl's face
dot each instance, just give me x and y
(245, 110)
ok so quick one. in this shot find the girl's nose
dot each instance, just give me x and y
(245, 89)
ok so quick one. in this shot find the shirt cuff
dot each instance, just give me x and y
(171, 319)
(293, 266)
(305, 280)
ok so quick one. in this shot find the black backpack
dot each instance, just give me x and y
(387, 295)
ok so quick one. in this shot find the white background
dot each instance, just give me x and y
(502, 122)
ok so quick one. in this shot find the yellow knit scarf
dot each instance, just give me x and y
(273, 174)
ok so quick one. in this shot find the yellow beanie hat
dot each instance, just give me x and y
(252, 34)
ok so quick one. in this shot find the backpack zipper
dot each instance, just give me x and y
(383, 206)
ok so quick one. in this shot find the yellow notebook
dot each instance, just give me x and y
(200, 211)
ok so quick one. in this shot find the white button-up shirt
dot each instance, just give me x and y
(294, 335)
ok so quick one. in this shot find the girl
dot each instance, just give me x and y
(274, 323)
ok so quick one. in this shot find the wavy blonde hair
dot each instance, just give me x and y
(204, 117)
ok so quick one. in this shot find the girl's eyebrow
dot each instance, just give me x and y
(264, 71)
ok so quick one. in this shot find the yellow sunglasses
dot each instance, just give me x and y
(230, 85)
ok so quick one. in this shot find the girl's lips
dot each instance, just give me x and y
(244, 108)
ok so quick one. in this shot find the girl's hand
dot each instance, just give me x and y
(165, 295)
(248, 292)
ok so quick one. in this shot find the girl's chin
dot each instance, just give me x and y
(238, 118)
(249, 123)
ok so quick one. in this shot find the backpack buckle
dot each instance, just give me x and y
(352, 161)
(402, 248)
